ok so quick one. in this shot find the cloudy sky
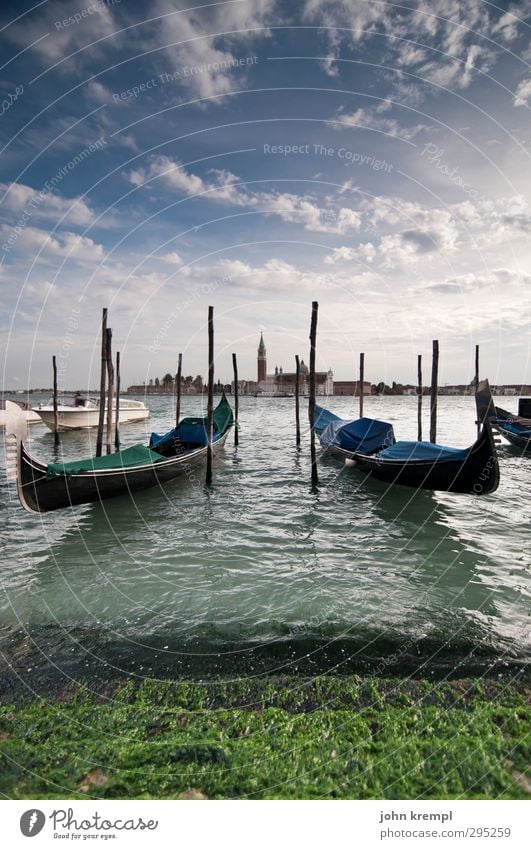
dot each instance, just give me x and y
(257, 155)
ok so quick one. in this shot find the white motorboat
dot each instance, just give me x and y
(30, 415)
(84, 412)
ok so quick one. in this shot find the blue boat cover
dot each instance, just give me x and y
(514, 427)
(428, 451)
(193, 430)
(323, 418)
(364, 435)
(190, 431)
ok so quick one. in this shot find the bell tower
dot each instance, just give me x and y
(262, 360)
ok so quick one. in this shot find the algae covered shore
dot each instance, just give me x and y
(290, 738)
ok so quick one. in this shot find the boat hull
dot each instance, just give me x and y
(518, 440)
(80, 418)
(39, 494)
(477, 475)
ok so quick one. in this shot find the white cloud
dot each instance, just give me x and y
(174, 175)
(32, 240)
(402, 250)
(65, 34)
(409, 55)
(80, 248)
(97, 92)
(523, 93)
(364, 118)
(201, 44)
(484, 222)
(225, 188)
(452, 33)
(396, 251)
(411, 216)
(364, 253)
(507, 25)
(277, 276)
(485, 303)
(408, 235)
(201, 56)
(493, 221)
(457, 71)
(362, 18)
(20, 198)
(172, 258)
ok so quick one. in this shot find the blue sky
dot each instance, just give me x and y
(257, 155)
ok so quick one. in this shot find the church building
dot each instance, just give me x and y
(282, 384)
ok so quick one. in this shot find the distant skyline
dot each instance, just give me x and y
(257, 155)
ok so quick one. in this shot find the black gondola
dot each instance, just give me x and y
(515, 429)
(422, 465)
(473, 470)
(43, 487)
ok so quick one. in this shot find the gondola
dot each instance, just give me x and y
(515, 429)
(370, 446)
(51, 486)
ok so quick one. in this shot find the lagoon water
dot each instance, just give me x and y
(260, 575)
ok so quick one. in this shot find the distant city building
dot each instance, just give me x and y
(160, 389)
(454, 390)
(351, 387)
(246, 387)
(504, 390)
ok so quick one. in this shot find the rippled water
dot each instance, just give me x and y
(260, 574)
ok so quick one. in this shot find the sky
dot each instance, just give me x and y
(257, 155)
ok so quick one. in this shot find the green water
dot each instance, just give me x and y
(259, 574)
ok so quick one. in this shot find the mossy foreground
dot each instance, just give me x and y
(288, 739)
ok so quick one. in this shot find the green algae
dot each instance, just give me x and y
(271, 738)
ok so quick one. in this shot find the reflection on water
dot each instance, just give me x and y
(259, 573)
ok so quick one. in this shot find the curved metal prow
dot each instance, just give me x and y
(16, 433)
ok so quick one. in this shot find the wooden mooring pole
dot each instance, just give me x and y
(434, 389)
(297, 402)
(110, 389)
(178, 377)
(210, 403)
(419, 397)
(55, 413)
(362, 381)
(236, 398)
(118, 387)
(476, 381)
(103, 375)
(313, 337)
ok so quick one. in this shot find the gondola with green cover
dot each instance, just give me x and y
(51, 486)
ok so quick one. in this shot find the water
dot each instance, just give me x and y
(258, 574)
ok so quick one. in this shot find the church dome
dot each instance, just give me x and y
(303, 367)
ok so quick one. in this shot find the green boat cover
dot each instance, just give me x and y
(136, 455)
(222, 416)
